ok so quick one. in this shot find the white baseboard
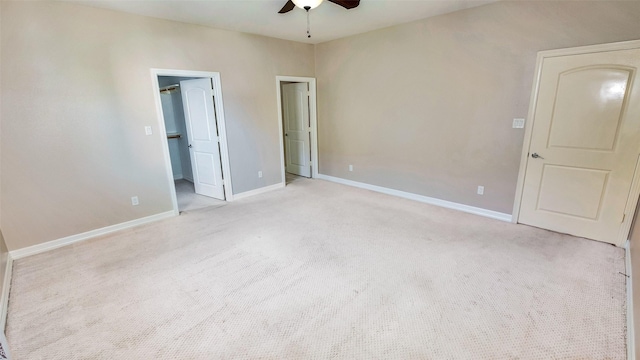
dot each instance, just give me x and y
(425, 199)
(54, 244)
(4, 296)
(258, 191)
(631, 346)
(177, 177)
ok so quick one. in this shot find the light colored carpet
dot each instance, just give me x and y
(322, 271)
(188, 200)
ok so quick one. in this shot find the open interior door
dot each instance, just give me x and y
(202, 133)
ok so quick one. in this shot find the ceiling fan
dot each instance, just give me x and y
(312, 4)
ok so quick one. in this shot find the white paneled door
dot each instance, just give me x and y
(585, 144)
(202, 133)
(295, 104)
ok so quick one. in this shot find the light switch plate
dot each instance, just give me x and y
(518, 123)
(147, 130)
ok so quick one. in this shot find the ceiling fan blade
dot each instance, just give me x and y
(347, 4)
(287, 7)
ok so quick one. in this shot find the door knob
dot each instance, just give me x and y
(286, 134)
(536, 156)
(190, 146)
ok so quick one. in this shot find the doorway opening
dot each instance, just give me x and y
(298, 130)
(195, 148)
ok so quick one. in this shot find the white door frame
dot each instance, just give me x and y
(219, 109)
(313, 119)
(634, 192)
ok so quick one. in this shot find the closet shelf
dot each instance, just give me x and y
(174, 136)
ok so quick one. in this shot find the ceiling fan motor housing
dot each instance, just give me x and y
(312, 4)
(307, 4)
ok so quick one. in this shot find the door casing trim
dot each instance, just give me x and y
(220, 120)
(634, 193)
(313, 119)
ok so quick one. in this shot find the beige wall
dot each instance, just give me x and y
(80, 92)
(4, 256)
(4, 252)
(427, 107)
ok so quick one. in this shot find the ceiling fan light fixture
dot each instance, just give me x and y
(310, 4)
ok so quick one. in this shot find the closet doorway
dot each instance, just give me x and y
(298, 127)
(190, 108)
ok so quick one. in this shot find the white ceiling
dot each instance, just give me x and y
(328, 21)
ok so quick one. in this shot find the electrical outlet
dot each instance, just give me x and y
(148, 130)
(518, 123)
(350, 167)
(134, 200)
(480, 190)
(259, 174)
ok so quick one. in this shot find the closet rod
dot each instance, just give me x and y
(169, 87)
